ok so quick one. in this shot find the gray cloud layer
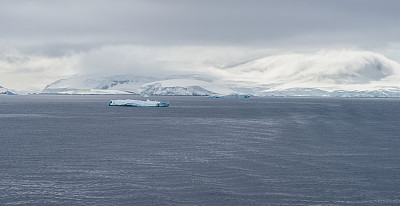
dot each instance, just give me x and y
(183, 22)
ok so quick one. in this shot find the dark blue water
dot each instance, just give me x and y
(76, 150)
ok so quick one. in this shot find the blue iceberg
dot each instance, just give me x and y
(137, 103)
(10, 93)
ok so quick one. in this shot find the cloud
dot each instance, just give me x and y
(32, 71)
(255, 23)
(160, 60)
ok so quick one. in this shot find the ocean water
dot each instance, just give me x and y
(76, 150)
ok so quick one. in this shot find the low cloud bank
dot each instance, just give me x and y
(246, 67)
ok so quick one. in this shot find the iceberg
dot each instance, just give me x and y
(232, 96)
(137, 103)
(6, 91)
(10, 93)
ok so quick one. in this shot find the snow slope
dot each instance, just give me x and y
(324, 73)
(321, 69)
(184, 87)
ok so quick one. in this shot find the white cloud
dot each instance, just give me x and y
(30, 72)
(34, 71)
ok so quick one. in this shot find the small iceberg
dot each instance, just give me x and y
(232, 96)
(137, 103)
(10, 93)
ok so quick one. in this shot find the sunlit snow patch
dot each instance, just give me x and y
(137, 103)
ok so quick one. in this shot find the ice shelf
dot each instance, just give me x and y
(137, 103)
(231, 96)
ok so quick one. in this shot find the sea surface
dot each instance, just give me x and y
(77, 150)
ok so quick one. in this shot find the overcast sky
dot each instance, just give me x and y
(55, 31)
(182, 22)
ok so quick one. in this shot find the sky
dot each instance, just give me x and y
(44, 40)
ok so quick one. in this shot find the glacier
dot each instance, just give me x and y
(137, 103)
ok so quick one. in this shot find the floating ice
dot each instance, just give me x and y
(6, 91)
(232, 96)
(10, 93)
(137, 103)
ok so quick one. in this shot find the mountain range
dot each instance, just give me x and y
(342, 73)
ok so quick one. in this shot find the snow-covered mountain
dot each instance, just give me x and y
(132, 84)
(323, 73)
(172, 85)
(320, 69)
(96, 84)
